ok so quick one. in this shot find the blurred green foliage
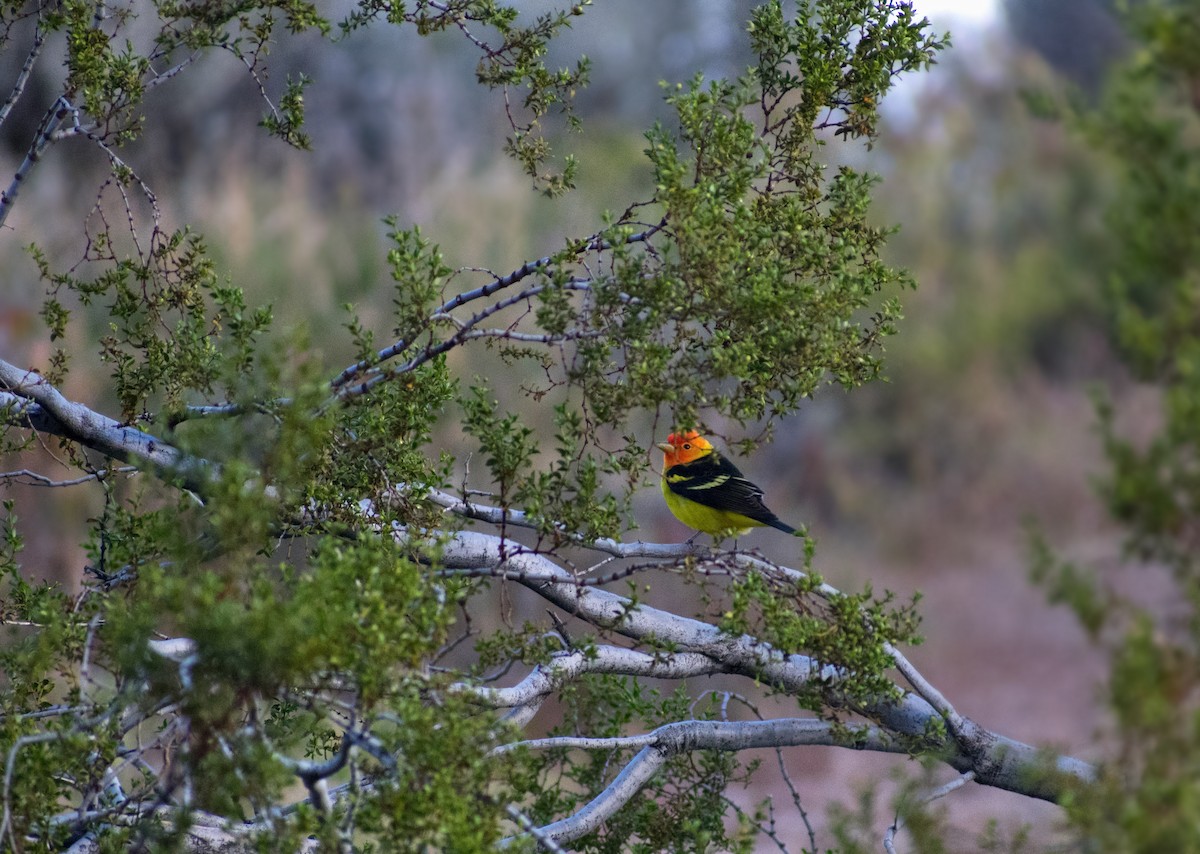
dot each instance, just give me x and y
(1148, 121)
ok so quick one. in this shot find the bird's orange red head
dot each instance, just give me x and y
(683, 448)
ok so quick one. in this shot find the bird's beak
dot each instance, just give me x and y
(663, 446)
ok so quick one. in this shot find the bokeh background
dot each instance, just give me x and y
(924, 483)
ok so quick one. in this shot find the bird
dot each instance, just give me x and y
(707, 492)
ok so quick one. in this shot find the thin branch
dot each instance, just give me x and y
(432, 351)
(310, 771)
(783, 772)
(49, 712)
(400, 346)
(796, 801)
(592, 244)
(572, 742)
(889, 837)
(686, 736)
(161, 77)
(206, 832)
(958, 725)
(530, 337)
(525, 698)
(519, 519)
(504, 574)
(523, 821)
(119, 169)
(50, 122)
(768, 829)
(314, 776)
(74, 421)
(460, 22)
(227, 410)
(32, 478)
(251, 63)
(372, 746)
(39, 39)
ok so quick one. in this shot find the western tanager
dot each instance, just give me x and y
(705, 491)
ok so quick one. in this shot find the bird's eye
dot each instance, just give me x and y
(687, 446)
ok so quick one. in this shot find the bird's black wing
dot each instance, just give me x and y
(715, 482)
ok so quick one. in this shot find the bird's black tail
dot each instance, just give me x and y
(776, 522)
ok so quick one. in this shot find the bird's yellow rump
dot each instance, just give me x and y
(705, 491)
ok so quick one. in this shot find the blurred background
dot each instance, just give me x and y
(923, 483)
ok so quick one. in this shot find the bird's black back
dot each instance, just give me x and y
(715, 482)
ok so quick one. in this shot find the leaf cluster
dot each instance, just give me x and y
(512, 59)
(173, 330)
(847, 632)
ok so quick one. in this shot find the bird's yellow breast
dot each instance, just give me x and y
(705, 519)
